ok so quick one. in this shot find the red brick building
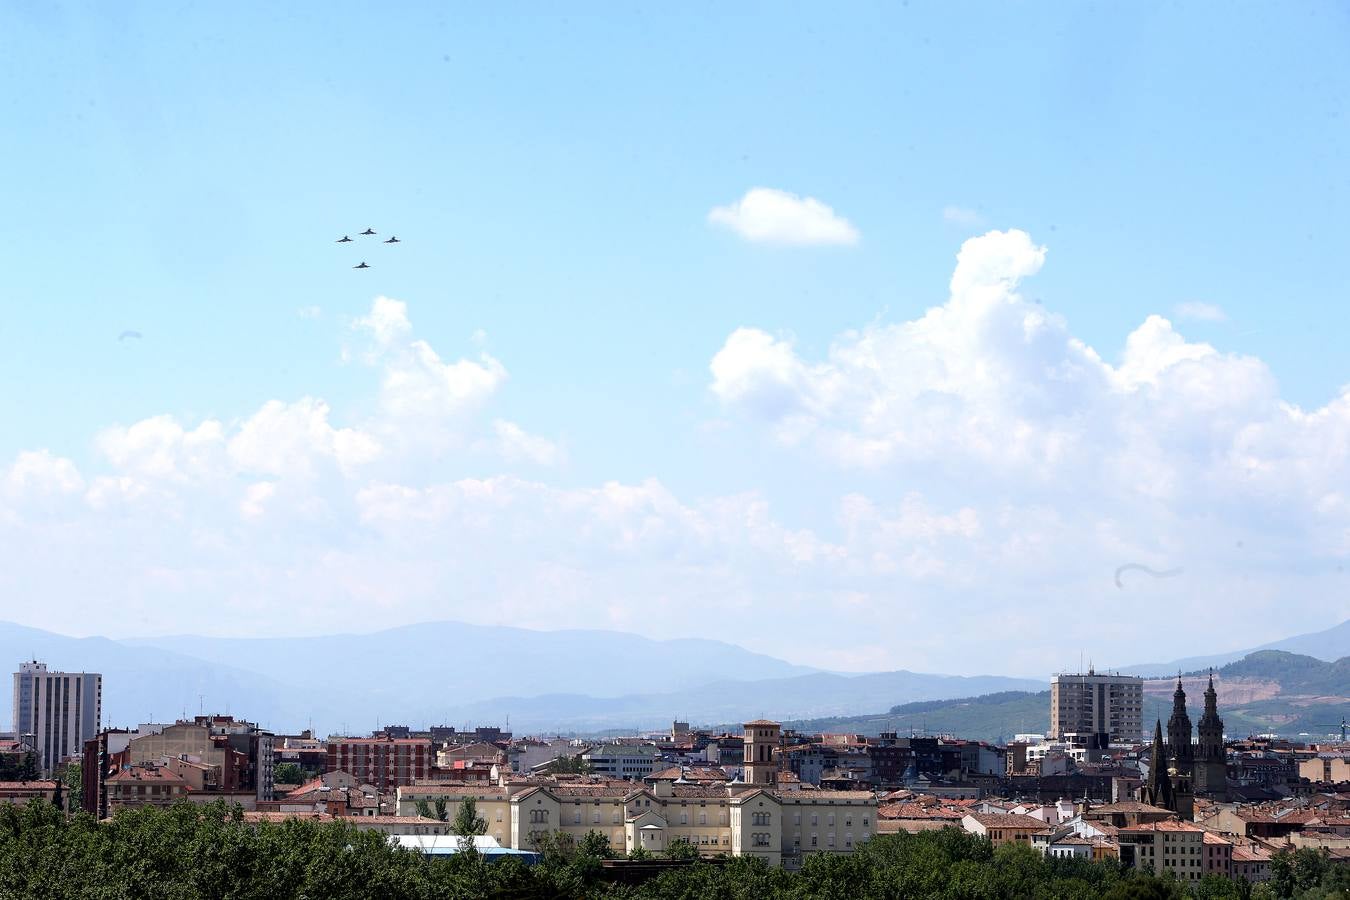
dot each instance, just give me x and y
(387, 763)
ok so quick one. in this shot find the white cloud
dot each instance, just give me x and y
(417, 383)
(256, 495)
(39, 473)
(975, 473)
(309, 312)
(515, 444)
(288, 439)
(769, 216)
(159, 447)
(960, 215)
(1196, 311)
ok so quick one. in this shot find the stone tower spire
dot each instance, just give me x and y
(1211, 763)
(1179, 731)
(1182, 753)
(1158, 789)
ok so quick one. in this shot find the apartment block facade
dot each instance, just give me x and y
(1093, 704)
(56, 712)
(385, 762)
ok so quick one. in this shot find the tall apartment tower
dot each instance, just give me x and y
(761, 740)
(1097, 704)
(56, 712)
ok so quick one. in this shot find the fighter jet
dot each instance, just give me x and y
(343, 240)
(368, 231)
(362, 266)
(393, 240)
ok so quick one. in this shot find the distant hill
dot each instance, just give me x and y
(991, 717)
(1268, 691)
(590, 681)
(818, 694)
(458, 674)
(142, 684)
(1330, 644)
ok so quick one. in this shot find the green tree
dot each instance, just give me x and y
(289, 773)
(73, 781)
(468, 823)
(595, 845)
(568, 765)
(681, 848)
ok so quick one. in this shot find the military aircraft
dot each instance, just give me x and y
(393, 240)
(368, 231)
(343, 240)
(362, 266)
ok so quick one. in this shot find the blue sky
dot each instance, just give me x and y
(184, 173)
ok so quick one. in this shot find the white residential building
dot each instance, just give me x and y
(56, 712)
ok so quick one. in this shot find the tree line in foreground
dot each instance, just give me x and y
(190, 851)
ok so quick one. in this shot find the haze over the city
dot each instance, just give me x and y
(867, 338)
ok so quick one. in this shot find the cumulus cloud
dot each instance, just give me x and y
(1195, 311)
(1124, 455)
(769, 216)
(517, 445)
(976, 472)
(417, 383)
(41, 473)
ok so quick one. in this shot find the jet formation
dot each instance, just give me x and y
(393, 239)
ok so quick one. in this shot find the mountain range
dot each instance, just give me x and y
(455, 673)
(1329, 644)
(574, 681)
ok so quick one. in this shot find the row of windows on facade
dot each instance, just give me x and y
(540, 817)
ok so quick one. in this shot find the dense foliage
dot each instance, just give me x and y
(209, 852)
(18, 767)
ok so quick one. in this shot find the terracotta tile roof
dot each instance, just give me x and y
(136, 773)
(590, 790)
(1250, 854)
(456, 790)
(1162, 826)
(1007, 820)
(27, 785)
(690, 773)
(255, 816)
(812, 796)
(698, 791)
(1128, 806)
(917, 811)
(1212, 838)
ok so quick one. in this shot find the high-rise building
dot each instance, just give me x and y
(56, 711)
(1097, 704)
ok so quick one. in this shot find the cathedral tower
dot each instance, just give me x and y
(1211, 760)
(1157, 791)
(1182, 754)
